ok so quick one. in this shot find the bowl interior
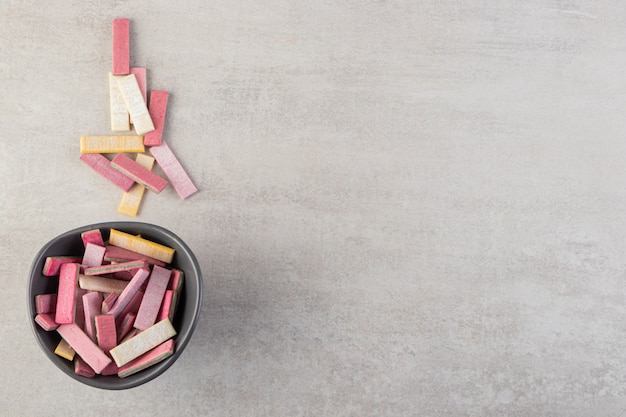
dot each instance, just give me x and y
(185, 319)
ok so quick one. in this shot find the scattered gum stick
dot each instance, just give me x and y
(64, 350)
(157, 109)
(111, 144)
(121, 46)
(131, 199)
(116, 253)
(111, 268)
(173, 170)
(156, 355)
(66, 302)
(92, 306)
(102, 165)
(143, 342)
(84, 346)
(152, 298)
(102, 284)
(140, 76)
(141, 245)
(94, 255)
(166, 307)
(45, 303)
(138, 173)
(81, 368)
(127, 325)
(135, 104)
(129, 292)
(108, 302)
(120, 119)
(46, 321)
(53, 264)
(106, 331)
(92, 236)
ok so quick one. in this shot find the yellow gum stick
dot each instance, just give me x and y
(141, 245)
(111, 144)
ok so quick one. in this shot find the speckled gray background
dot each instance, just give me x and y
(407, 208)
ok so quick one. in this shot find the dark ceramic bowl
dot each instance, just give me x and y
(187, 313)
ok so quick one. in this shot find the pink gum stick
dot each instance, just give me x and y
(53, 264)
(166, 306)
(140, 76)
(138, 173)
(115, 253)
(173, 170)
(152, 298)
(93, 256)
(106, 331)
(84, 346)
(129, 292)
(121, 46)
(66, 297)
(92, 236)
(92, 306)
(108, 302)
(107, 339)
(45, 303)
(102, 166)
(149, 358)
(46, 321)
(157, 110)
(81, 368)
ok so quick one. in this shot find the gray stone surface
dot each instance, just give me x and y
(407, 208)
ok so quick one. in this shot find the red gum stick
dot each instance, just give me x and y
(66, 297)
(84, 346)
(157, 110)
(129, 292)
(53, 264)
(109, 269)
(102, 166)
(152, 298)
(94, 255)
(138, 173)
(46, 321)
(115, 253)
(92, 236)
(92, 306)
(121, 46)
(173, 170)
(45, 303)
(152, 357)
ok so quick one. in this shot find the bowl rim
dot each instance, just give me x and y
(181, 340)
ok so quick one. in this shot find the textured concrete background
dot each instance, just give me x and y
(407, 208)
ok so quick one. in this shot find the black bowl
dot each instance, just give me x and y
(187, 313)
